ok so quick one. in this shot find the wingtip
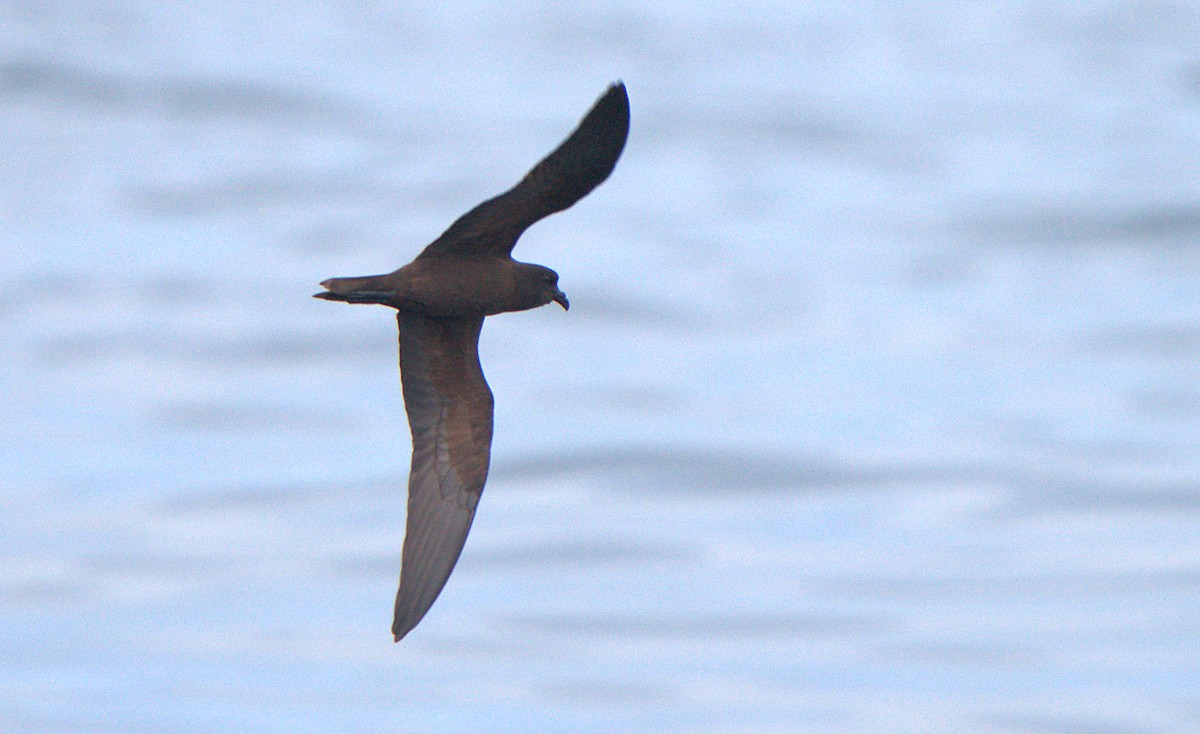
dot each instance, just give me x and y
(400, 629)
(609, 118)
(617, 90)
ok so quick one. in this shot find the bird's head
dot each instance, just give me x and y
(538, 285)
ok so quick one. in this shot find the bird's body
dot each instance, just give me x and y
(442, 298)
(453, 286)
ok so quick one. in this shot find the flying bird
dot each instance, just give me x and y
(442, 298)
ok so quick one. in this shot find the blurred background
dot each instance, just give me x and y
(875, 411)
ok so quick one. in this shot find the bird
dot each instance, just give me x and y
(441, 299)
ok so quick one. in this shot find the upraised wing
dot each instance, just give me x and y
(562, 178)
(449, 408)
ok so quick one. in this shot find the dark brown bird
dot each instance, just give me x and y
(442, 297)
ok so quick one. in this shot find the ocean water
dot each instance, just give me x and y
(876, 409)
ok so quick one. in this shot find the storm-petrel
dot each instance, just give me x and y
(442, 298)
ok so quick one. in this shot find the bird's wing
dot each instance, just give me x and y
(449, 408)
(562, 178)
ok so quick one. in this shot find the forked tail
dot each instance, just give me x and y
(367, 289)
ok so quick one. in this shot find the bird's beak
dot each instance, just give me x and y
(561, 299)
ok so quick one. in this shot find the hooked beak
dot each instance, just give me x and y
(561, 299)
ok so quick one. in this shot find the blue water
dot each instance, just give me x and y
(876, 409)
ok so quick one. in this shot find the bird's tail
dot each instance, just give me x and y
(367, 289)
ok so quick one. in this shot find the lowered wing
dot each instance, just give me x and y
(449, 408)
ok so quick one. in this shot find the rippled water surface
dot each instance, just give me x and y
(876, 409)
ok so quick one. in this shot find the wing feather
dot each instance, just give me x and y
(449, 408)
(562, 178)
